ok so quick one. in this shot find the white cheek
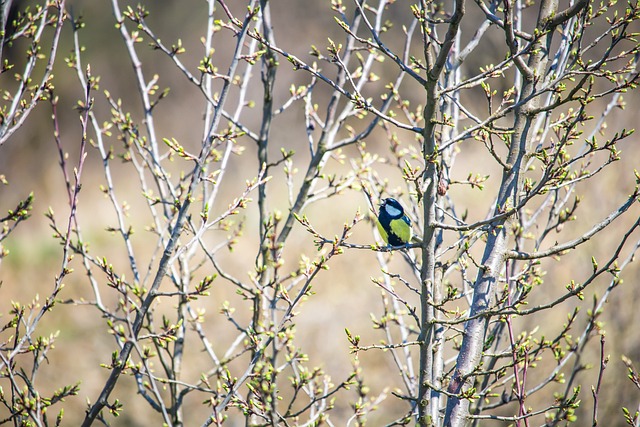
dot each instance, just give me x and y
(393, 212)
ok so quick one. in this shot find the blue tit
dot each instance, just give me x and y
(393, 224)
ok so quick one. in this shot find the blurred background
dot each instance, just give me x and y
(344, 296)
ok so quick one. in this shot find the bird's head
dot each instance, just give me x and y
(392, 207)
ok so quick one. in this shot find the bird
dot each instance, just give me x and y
(393, 224)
